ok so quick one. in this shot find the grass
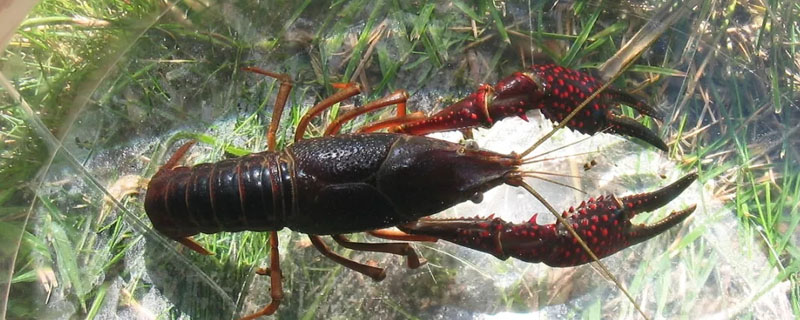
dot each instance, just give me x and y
(112, 85)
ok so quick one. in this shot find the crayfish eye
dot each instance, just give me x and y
(476, 198)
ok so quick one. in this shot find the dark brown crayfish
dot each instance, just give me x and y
(367, 181)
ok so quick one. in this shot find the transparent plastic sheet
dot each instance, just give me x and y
(194, 86)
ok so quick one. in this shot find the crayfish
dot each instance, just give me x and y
(366, 181)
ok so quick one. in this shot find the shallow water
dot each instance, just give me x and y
(191, 83)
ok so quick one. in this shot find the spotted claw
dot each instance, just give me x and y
(566, 89)
(554, 90)
(574, 86)
(603, 223)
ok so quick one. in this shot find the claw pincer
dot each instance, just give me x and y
(554, 90)
(603, 223)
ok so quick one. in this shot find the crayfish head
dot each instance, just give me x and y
(423, 176)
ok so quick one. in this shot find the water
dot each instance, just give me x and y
(181, 74)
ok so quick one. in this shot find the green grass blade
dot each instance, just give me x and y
(577, 45)
(498, 23)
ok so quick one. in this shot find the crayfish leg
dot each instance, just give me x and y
(400, 249)
(397, 98)
(280, 102)
(196, 247)
(375, 273)
(397, 235)
(276, 290)
(173, 160)
(392, 122)
(322, 106)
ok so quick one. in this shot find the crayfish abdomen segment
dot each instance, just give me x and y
(232, 195)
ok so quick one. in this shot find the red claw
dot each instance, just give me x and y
(553, 89)
(470, 112)
(603, 223)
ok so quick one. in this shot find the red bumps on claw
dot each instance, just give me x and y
(470, 112)
(603, 225)
(553, 89)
